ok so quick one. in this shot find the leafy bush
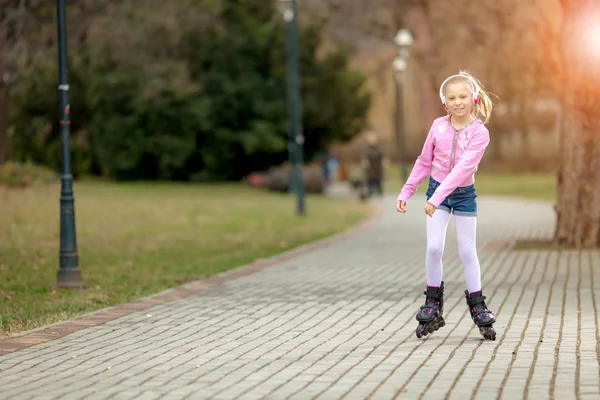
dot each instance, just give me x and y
(13, 174)
(154, 99)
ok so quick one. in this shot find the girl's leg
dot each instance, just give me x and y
(465, 232)
(436, 238)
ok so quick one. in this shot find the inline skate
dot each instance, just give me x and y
(430, 314)
(481, 315)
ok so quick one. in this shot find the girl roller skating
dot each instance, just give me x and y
(452, 151)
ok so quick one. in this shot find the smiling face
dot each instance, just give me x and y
(459, 100)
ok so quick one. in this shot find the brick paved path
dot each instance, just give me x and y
(339, 323)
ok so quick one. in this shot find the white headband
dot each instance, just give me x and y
(475, 93)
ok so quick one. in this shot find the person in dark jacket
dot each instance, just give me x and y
(373, 163)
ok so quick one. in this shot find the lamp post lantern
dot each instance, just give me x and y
(289, 10)
(404, 41)
(69, 274)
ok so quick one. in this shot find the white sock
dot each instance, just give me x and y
(466, 228)
(436, 239)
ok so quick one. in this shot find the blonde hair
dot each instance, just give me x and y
(484, 106)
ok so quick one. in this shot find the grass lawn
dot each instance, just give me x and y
(139, 239)
(525, 185)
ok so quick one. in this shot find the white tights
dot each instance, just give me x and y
(467, 250)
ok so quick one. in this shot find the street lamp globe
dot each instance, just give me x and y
(404, 41)
(286, 8)
(399, 64)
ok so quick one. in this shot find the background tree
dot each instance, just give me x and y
(184, 90)
(576, 52)
(5, 149)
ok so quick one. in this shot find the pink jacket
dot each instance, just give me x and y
(450, 156)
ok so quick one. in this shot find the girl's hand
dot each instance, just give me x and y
(430, 209)
(400, 206)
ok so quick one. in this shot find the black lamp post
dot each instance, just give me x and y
(69, 274)
(404, 40)
(294, 102)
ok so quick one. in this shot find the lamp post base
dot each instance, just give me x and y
(69, 278)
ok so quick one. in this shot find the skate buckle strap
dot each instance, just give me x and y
(472, 301)
(484, 311)
(434, 293)
(430, 306)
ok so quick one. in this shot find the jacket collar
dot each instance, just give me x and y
(476, 120)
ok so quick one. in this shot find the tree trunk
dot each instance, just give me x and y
(578, 180)
(423, 55)
(5, 151)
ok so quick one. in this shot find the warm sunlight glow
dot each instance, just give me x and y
(589, 36)
(594, 38)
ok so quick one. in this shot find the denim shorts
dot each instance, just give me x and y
(460, 202)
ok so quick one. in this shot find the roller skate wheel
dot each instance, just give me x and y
(488, 332)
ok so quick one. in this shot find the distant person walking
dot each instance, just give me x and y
(373, 164)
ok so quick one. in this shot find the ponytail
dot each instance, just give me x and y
(484, 106)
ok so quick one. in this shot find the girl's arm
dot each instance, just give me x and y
(465, 167)
(421, 169)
